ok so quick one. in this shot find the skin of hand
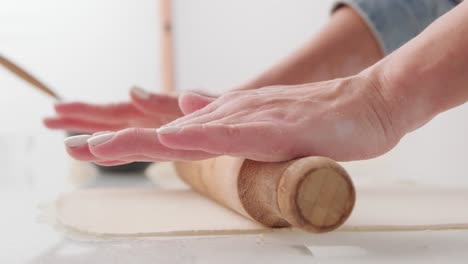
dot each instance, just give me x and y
(428, 75)
(143, 110)
(343, 119)
(335, 60)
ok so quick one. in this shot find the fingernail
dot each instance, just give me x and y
(96, 140)
(76, 141)
(168, 130)
(140, 93)
(102, 133)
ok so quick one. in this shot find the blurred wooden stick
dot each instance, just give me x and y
(167, 64)
(27, 77)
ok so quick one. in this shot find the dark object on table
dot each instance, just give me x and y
(130, 167)
(125, 168)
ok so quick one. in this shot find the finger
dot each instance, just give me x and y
(81, 153)
(191, 102)
(260, 141)
(218, 116)
(109, 163)
(102, 132)
(138, 142)
(109, 113)
(155, 104)
(203, 115)
(79, 125)
(78, 148)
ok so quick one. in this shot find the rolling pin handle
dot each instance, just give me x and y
(313, 193)
(316, 194)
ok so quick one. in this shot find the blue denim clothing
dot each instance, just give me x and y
(394, 22)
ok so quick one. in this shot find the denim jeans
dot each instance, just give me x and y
(395, 22)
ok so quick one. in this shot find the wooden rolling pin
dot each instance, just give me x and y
(24, 75)
(313, 193)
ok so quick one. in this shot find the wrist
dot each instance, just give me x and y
(408, 108)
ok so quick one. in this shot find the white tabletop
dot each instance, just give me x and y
(36, 172)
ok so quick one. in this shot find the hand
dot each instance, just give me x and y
(344, 119)
(134, 144)
(143, 110)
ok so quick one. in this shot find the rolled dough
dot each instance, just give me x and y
(148, 212)
(145, 212)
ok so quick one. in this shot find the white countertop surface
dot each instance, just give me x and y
(25, 240)
(45, 171)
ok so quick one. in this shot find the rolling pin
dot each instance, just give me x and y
(314, 193)
(29, 78)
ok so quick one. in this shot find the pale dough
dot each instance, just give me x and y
(145, 211)
(409, 208)
(138, 212)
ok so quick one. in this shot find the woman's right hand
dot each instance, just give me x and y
(144, 110)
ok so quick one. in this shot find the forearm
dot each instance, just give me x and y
(344, 47)
(429, 74)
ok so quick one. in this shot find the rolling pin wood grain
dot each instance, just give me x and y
(313, 193)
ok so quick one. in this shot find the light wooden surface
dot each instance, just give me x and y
(25, 76)
(167, 62)
(314, 193)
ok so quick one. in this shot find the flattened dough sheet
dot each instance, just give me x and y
(147, 212)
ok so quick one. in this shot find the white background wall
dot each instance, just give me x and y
(86, 50)
(95, 50)
(223, 43)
